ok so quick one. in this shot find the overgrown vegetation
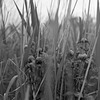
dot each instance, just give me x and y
(56, 61)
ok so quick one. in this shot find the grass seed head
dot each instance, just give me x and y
(39, 60)
(84, 40)
(31, 59)
(82, 56)
(70, 54)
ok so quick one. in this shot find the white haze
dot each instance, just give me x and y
(44, 5)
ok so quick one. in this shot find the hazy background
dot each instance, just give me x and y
(44, 5)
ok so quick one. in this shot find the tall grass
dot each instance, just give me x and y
(97, 46)
(51, 63)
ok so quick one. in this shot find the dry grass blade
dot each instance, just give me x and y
(64, 50)
(9, 86)
(67, 17)
(18, 34)
(54, 34)
(3, 29)
(74, 7)
(59, 72)
(36, 14)
(22, 39)
(27, 93)
(97, 18)
(1, 71)
(13, 30)
(22, 17)
(61, 39)
(87, 70)
(26, 53)
(26, 6)
(18, 83)
(38, 44)
(48, 89)
(40, 85)
(81, 29)
(61, 91)
(38, 31)
(88, 9)
(35, 21)
(87, 24)
(21, 77)
(17, 65)
(74, 32)
(98, 45)
(55, 27)
(33, 16)
(28, 23)
(69, 9)
(7, 17)
(6, 67)
(66, 23)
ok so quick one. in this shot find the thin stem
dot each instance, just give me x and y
(74, 7)
(84, 81)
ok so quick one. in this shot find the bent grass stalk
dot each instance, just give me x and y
(84, 81)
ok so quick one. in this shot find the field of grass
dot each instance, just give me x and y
(53, 61)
